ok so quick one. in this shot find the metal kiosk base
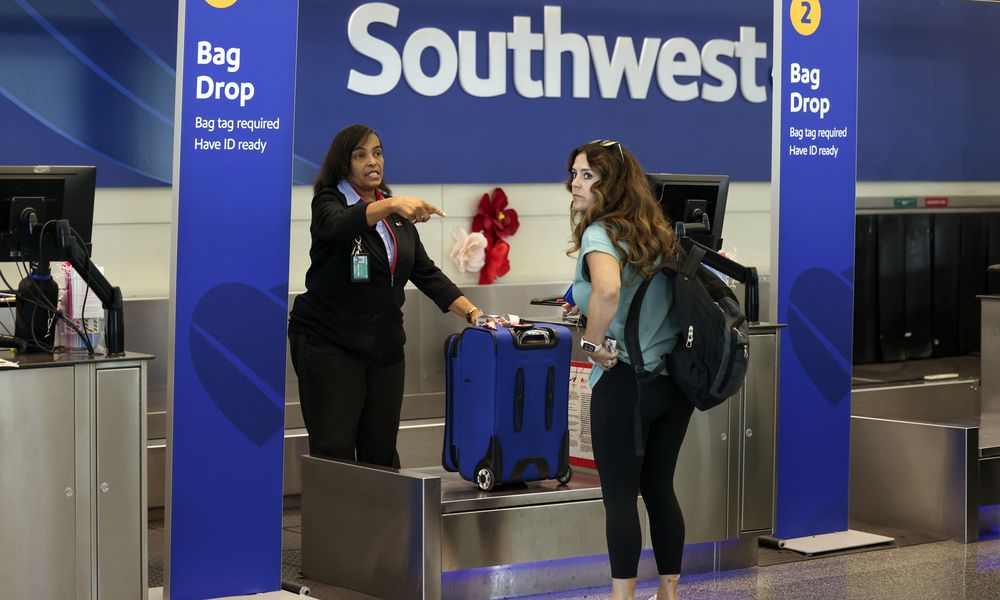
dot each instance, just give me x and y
(426, 533)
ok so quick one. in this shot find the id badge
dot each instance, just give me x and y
(359, 264)
(359, 268)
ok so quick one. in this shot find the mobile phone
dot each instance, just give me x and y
(610, 344)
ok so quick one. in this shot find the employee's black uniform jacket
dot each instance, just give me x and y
(363, 318)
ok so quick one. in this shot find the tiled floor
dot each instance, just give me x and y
(941, 570)
(936, 570)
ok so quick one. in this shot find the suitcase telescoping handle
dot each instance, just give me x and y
(449, 456)
(534, 338)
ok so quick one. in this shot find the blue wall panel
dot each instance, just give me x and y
(455, 137)
(928, 86)
(91, 81)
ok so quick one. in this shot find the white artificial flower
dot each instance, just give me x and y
(469, 251)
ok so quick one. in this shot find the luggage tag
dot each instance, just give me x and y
(359, 263)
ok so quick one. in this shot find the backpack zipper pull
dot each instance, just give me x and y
(690, 340)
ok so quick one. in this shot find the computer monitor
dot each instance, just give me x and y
(51, 193)
(684, 198)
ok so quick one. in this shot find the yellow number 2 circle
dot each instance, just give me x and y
(806, 15)
(221, 3)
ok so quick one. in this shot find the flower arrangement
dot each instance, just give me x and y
(485, 250)
(494, 218)
(469, 251)
(497, 263)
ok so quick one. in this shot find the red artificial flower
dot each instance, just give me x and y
(497, 263)
(494, 219)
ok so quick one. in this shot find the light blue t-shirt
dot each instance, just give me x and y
(658, 329)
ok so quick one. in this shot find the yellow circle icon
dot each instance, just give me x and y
(805, 16)
(221, 3)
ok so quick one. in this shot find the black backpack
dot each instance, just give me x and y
(709, 362)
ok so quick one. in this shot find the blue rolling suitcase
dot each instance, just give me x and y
(507, 404)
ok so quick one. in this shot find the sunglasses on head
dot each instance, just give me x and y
(609, 144)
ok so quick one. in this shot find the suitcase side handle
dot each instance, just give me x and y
(518, 400)
(550, 397)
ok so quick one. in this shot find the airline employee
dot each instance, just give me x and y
(346, 331)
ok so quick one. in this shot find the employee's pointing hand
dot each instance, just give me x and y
(415, 209)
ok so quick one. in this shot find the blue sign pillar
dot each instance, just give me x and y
(229, 296)
(814, 168)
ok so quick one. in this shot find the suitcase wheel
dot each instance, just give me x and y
(485, 479)
(565, 477)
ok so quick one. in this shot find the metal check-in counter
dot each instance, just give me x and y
(426, 533)
(948, 429)
(925, 432)
(72, 477)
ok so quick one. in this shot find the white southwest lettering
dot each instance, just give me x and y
(555, 43)
(423, 39)
(522, 42)
(637, 72)
(668, 69)
(678, 63)
(495, 83)
(726, 88)
(374, 48)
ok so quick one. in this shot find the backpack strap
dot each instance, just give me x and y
(693, 260)
(634, 350)
(632, 345)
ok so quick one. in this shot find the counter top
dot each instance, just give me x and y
(758, 327)
(37, 360)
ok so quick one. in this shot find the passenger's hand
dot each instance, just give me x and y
(415, 209)
(604, 358)
(569, 309)
(485, 320)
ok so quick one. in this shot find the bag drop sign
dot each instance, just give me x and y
(207, 87)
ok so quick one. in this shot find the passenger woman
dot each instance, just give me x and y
(621, 235)
(346, 331)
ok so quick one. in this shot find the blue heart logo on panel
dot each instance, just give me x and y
(819, 323)
(237, 344)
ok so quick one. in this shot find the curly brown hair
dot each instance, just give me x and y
(625, 204)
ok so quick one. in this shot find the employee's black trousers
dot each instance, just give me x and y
(350, 406)
(623, 473)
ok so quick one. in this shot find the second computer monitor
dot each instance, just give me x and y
(684, 197)
(43, 194)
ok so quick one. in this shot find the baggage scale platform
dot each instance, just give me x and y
(427, 533)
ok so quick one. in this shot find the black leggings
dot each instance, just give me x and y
(623, 474)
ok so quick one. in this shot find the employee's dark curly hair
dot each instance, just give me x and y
(625, 205)
(337, 164)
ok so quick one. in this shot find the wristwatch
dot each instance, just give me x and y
(588, 347)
